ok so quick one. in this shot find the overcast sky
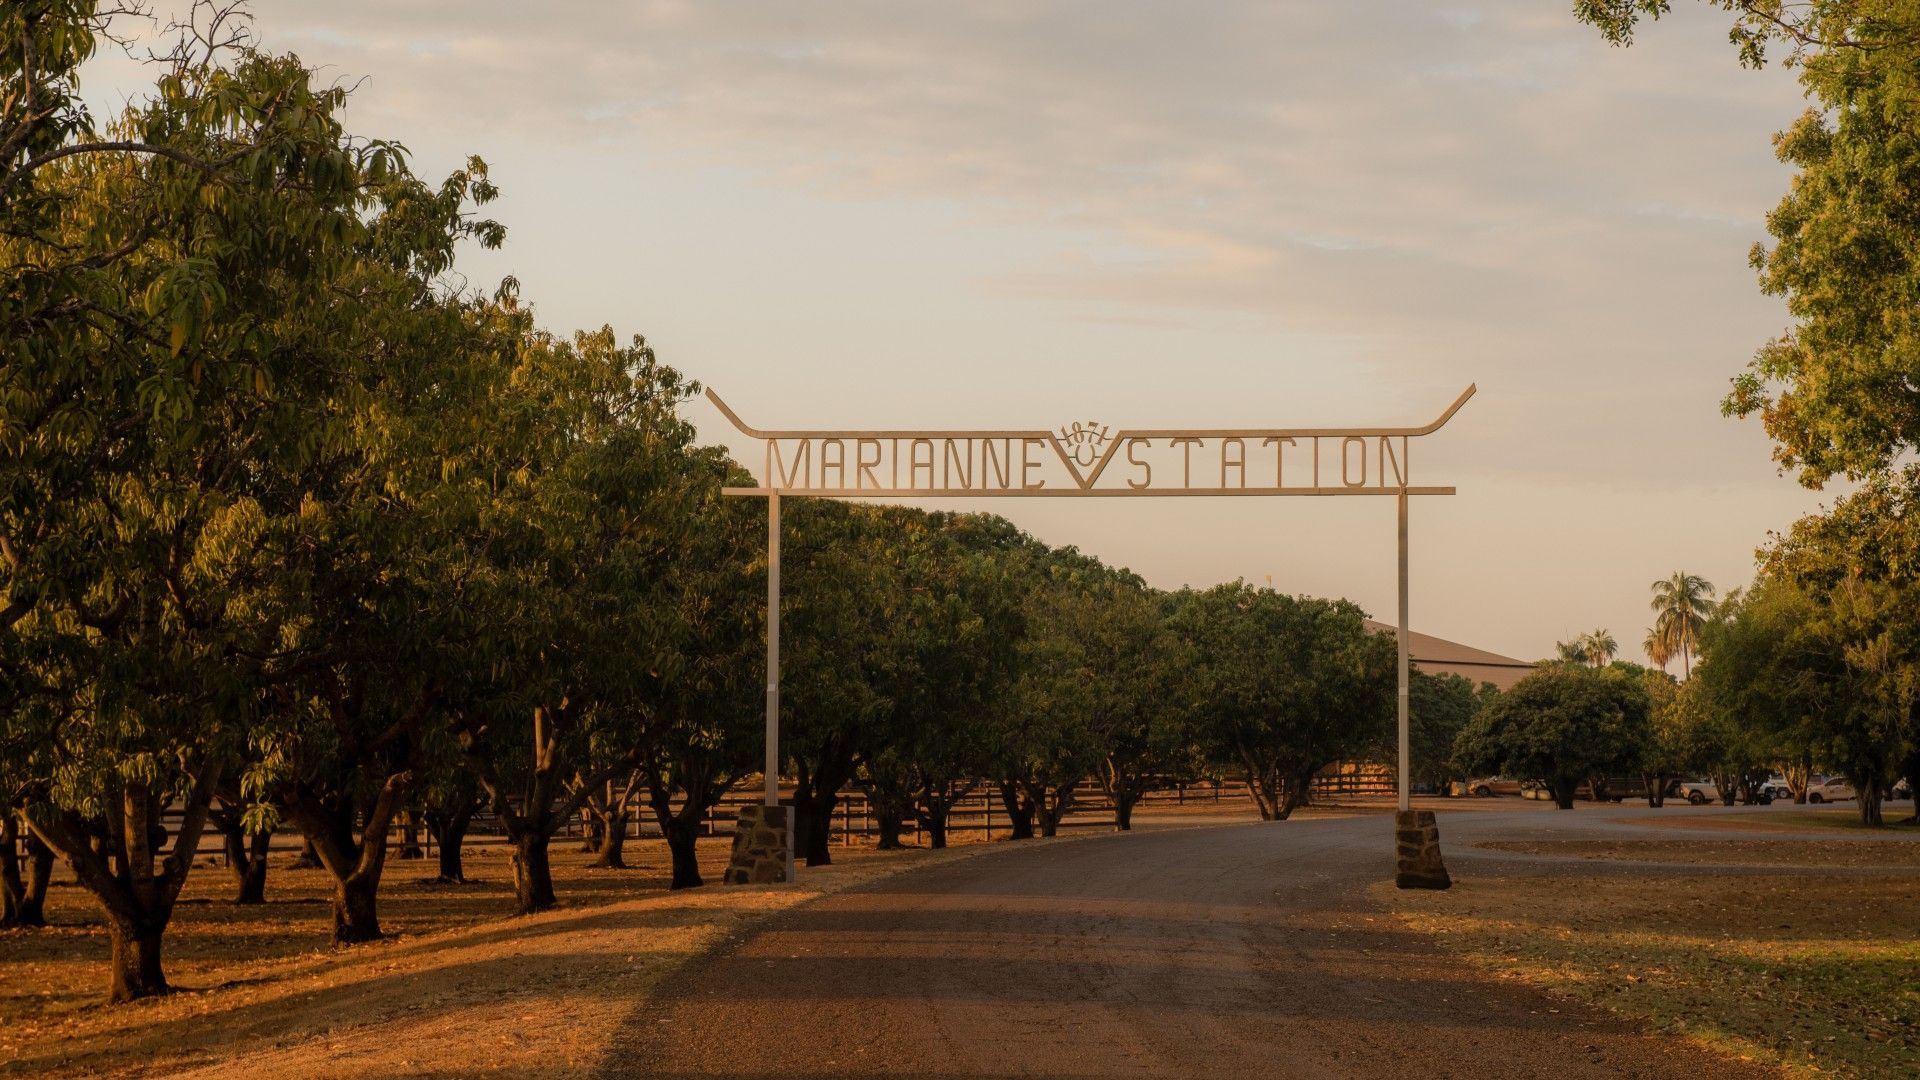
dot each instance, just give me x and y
(888, 214)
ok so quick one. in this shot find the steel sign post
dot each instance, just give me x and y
(1406, 689)
(773, 649)
(1074, 462)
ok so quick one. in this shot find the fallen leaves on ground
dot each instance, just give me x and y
(1817, 972)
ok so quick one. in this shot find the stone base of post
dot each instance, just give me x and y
(762, 846)
(1417, 838)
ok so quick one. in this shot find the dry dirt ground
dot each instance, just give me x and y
(1233, 952)
(458, 989)
(1803, 952)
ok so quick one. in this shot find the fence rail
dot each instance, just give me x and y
(977, 815)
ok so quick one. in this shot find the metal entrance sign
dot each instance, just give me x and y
(1082, 459)
(1087, 458)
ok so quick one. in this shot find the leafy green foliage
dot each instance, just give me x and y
(1287, 685)
(1819, 665)
(1838, 391)
(1439, 707)
(1563, 725)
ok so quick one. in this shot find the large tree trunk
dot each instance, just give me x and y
(933, 807)
(814, 800)
(891, 823)
(1123, 790)
(532, 873)
(1298, 789)
(1910, 770)
(246, 857)
(700, 791)
(136, 970)
(1656, 789)
(555, 794)
(683, 836)
(1563, 789)
(1019, 811)
(410, 836)
(136, 887)
(1799, 775)
(33, 906)
(356, 916)
(308, 859)
(13, 891)
(594, 836)
(614, 844)
(1052, 801)
(1726, 785)
(356, 866)
(814, 817)
(889, 807)
(933, 821)
(1264, 783)
(1868, 786)
(450, 832)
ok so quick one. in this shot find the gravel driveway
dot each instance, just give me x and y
(1232, 951)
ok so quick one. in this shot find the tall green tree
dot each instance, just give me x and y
(707, 732)
(1288, 685)
(168, 284)
(1563, 725)
(575, 556)
(1439, 707)
(1839, 392)
(1770, 672)
(840, 586)
(1053, 725)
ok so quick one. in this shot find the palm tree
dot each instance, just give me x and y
(1657, 649)
(1599, 647)
(1573, 652)
(1682, 604)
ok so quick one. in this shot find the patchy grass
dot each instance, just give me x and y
(1834, 816)
(1817, 973)
(1719, 852)
(1844, 816)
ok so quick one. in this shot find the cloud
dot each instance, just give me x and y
(1300, 161)
(1353, 207)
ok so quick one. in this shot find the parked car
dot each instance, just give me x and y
(1776, 788)
(1903, 790)
(1490, 786)
(1697, 792)
(1834, 790)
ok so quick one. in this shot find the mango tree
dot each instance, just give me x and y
(1288, 685)
(586, 506)
(1562, 725)
(166, 279)
(707, 731)
(841, 586)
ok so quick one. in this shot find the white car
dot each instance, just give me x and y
(1697, 792)
(1834, 790)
